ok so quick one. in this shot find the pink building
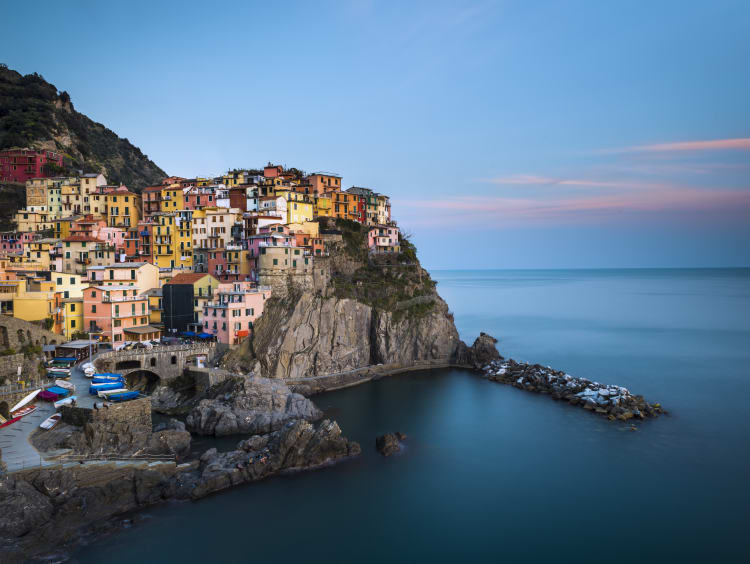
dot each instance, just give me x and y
(117, 313)
(199, 197)
(231, 316)
(216, 262)
(383, 239)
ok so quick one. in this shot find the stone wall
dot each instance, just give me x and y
(15, 333)
(77, 416)
(204, 378)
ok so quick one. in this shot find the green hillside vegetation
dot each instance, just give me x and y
(34, 114)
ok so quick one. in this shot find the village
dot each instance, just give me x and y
(193, 258)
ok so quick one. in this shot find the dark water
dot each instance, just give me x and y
(498, 475)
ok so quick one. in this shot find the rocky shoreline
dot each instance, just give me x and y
(613, 402)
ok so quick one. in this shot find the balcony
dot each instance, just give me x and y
(117, 299)
(80, 260)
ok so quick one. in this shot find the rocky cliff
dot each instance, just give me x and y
(375, 310)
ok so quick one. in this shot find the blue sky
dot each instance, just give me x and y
(508, 134)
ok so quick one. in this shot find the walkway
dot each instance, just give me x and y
(18, 453)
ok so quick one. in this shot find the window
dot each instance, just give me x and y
(132, 274)
(117, 323)
(224, 326)
(275, 262)
(72, 307)
(72, 280)
(93, 294)
(72, 323)
(59, 280)
(173, 360)
(118, 337)
(93, 308)
(66, 294)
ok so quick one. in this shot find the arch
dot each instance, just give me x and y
(5, 409)
(127, 364)
(173, 360)
(142, 380)
(152, 361)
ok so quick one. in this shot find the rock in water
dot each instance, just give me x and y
(249, 405)
(388, 444)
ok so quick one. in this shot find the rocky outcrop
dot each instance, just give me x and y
(614, 402)
(297, 445)
(249, 405)
(313, 335)
(389, 444)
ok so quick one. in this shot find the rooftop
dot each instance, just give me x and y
(189, 277)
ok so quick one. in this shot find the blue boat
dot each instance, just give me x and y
(94, 389)
(57, 390)
(110, 375)
(107, 379)
(123, 396)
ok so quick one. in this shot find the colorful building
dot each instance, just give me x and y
(118, 314)
(383, 239)
(183, 300)
(20, 165)
(322, 182)
(231, 316)
(140, 275)
(123, 208)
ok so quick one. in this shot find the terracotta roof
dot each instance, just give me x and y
(83, 238)
(153, 188)
(188, 277)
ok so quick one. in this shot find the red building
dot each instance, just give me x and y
(20, 165)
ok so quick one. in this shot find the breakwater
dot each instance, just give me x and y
(614, 402)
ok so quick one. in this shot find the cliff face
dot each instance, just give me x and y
(376, 310)
(312, 335)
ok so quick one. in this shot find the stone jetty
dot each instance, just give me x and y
(613, 402)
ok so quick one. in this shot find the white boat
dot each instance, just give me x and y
(26, 400)
(106, 393)
(64, 401)
(51, 421)
(66, 385)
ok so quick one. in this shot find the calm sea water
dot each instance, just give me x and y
(494, 474)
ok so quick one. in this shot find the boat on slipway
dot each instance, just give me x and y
(51, 421)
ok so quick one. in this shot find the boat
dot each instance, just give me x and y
(94, 389)
(106, 393)
(58, 373)
(103, 378)
(63, 362)
(27, 399)
(66, 385)
(18, 415)
(65, 401)
(46, 395)
(51, 421)
(123, 396)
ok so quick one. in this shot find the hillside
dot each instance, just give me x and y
(34, 114)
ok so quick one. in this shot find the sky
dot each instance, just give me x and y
(509, 134)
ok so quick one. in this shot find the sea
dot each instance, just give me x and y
(490, 473)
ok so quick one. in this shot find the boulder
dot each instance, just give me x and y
(388, 444)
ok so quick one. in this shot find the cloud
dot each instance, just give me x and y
(491, 211)
(533, 180)
(742, 144)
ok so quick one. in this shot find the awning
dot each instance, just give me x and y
(65, 359)
(189, 333)
(142, 330)
(205, 335)
(242, 333)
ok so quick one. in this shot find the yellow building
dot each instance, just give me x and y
(154, 306)
(54, 201)
(311, 228)
(172, 199)
(35, 301)
(344, 205)
(38, 251)
(172, 240)
(299, 208)
(322, 207)
(28, 220)
(72, 316)
(36, 193)
(123, 208)
(61, 227)
(88, 186)
(69, 285)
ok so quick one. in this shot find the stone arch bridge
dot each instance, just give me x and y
(166, 363)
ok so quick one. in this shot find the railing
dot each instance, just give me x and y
(111, 299)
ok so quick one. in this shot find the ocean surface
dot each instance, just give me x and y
(494, 474)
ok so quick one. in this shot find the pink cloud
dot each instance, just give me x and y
(532, 180)
(495, 211)
(742, 143)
